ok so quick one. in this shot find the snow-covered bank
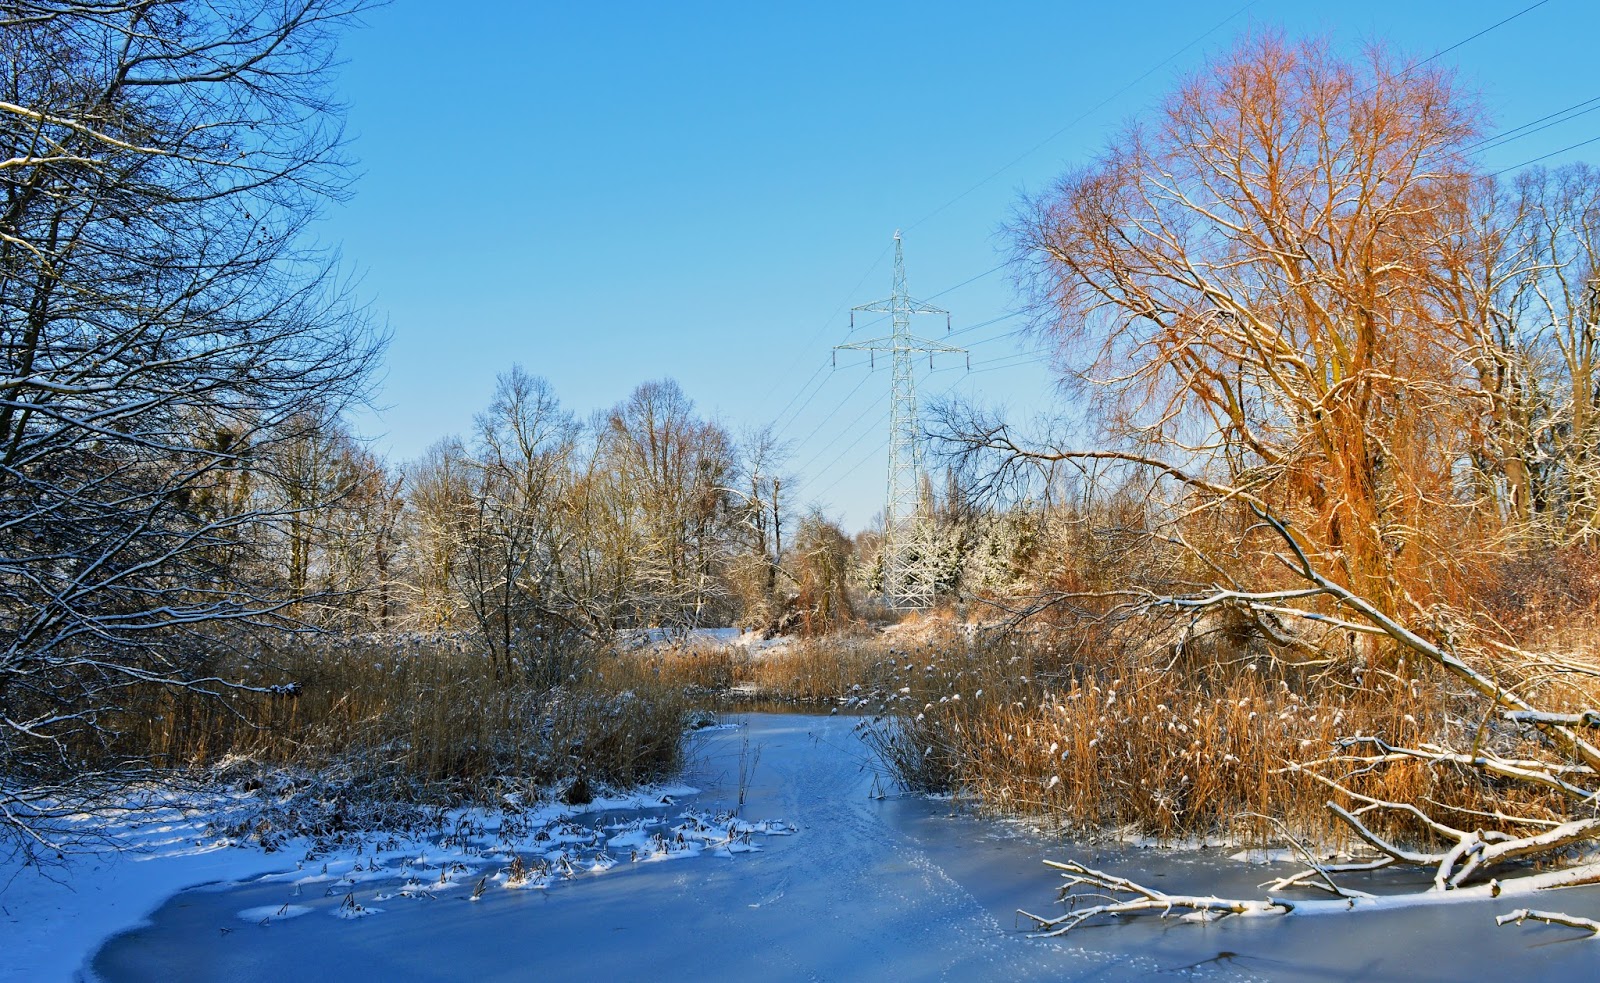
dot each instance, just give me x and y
(55, 918)
(750, 643)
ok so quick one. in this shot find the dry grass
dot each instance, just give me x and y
(804, 671)
(697, 670)
(1083, 735)
(1164, 754)
(417, 719)
(814, 669)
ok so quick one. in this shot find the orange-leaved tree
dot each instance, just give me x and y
(1265, 280)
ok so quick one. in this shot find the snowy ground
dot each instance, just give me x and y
(56, 917)
(749, 642)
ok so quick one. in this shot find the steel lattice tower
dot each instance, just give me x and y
(907, 581)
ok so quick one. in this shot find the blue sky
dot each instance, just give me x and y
(609, 193)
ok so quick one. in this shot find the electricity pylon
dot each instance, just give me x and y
(907, 573)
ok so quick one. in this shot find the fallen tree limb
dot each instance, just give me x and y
(1474, 850)
(1541, 773)
(1316, 872)
(1143, 899)
(1550, 918)
(1587, 718)
(1120, 896)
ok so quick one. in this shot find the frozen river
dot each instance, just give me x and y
(886, 889)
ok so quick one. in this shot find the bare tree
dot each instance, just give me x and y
(676, 468)
(438, 501)
(1357, 368)
(821, 559)
(757, 524)
(162, 324)
(1260, 279)
(510, 566)
(352, 538)
(1541, 352)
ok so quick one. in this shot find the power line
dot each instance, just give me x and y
(1085, 115)
(781, 425)
(781, 429)
(970, 279)
(1500, 139)
(992, 339)
(873, 452)
(851, 427)
(818, 334)
(1020, 356)
(876, 423)
(875, 449)
(1445, 51)
(803, 387)
(984, 324)
(1013, 365)
(836, 409)
(1553, 153)
(837, 458)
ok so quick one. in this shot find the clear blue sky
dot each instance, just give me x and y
(614, 192)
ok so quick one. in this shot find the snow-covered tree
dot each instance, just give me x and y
(163, 325)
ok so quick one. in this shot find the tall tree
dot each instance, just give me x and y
(677, 468)
(439, 504)
(1542, 344)
(162, 322)
(758, 514)
(1261, 279)
(511, 562)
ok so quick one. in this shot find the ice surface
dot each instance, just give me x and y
(902, 888)
(262, 914)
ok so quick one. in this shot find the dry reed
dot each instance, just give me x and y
(1082, 735)
(414, 719)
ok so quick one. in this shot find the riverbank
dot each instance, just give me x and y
(55, 916)
(900, 887)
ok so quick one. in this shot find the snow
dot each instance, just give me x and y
(750, 642)
(56, 916)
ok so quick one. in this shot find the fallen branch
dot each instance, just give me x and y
(1534, 772)
(1550, 918)
(1143, 899)
(1474, 850)
(1309, 877)
(1139, 899)
(1588, 718)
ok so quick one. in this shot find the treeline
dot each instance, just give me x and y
(540, 524)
